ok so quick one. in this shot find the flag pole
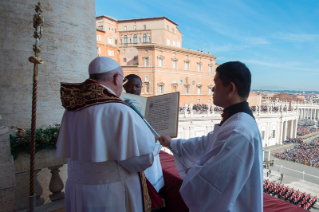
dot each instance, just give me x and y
(37, 24)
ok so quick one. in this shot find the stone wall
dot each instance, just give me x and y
(7, 179)
(68, 45)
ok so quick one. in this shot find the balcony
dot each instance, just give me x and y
(132, 44)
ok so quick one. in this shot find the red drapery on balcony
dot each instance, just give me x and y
(175, 203)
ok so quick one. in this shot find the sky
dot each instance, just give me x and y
(278, 40)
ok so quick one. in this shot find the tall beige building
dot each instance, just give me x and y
(152, 49)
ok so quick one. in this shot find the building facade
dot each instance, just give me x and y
(152, 49)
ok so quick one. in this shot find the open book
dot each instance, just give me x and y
(160, 111)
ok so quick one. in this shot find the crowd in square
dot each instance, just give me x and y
(307, 154)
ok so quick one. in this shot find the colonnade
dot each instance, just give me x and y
(311, 113)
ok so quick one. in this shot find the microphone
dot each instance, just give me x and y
(130, 103)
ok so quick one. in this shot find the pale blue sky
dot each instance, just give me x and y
(277, 39)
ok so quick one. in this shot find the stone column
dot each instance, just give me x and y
(68, 45)
(267, 133)
(292, 129)
(281, 131)
(310, 113)
(296, 127)
(285, 131)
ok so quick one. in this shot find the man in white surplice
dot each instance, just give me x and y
(225, 167)
(106, 142)
(154, 173)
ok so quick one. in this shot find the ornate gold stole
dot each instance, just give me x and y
(77, 96)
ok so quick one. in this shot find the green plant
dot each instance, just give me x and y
(44, 139)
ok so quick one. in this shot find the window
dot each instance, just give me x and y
(193, 82)
(125, 39)
(172, 30)
(209, 91)
(210, 60)
(199, 67)
(144, 27)
(115, 41)
(135, 38)
(174, 64)
(181, 82)
(144, 38)
(160, 52)
(149, 40)
(134, 27)
(186, 66)
(110, 41)
(273, 133)
(198, 90)
(160, 89)
(199, 59)
(160, 62)
(146, 51)
(146, 78)
(209, 100)
(124, 59)
(173, 43)
(186, 89)
(98, 38)
(125, 28)
(168, 41)
(198, 100)
(167, 28)
(146, 62)
(111, 52)
(186, 56)
(174, 54)
(99, 50)
(147, 88)
(210, 69)
(262, 135)
(130, 40)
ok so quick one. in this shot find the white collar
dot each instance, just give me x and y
(109, 89)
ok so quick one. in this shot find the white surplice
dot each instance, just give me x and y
(226, 167)
(154, 174)
(107, 144)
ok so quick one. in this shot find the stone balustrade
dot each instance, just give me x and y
(15, 177)
(45, 160)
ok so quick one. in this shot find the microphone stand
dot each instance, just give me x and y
(130, 103)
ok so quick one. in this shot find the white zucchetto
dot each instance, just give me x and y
(102, 65)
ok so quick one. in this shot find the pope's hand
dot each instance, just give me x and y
(165, 140)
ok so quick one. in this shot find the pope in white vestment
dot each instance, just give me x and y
(107, 145)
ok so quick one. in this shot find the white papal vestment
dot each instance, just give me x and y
(226, 167)
(154, 174)
(107, 144)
